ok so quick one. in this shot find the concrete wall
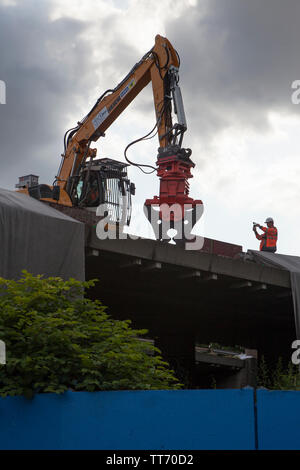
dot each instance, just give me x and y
(152, 420)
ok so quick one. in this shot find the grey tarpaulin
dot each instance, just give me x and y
(35, 237)
(291, 264)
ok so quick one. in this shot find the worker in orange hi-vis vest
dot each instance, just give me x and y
(268, 239)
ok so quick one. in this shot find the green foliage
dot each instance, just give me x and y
(280, 377)
(58, 340)
(263, 374)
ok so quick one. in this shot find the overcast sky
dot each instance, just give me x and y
(238, 61)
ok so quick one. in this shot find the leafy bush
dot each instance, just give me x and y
(57, 340)
(280, 377)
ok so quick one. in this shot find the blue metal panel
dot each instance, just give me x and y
(278, 418)
(179, 419)
(31, 424)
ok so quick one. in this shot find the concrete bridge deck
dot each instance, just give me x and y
(186, 298)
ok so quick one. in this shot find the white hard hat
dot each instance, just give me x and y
(269, 219)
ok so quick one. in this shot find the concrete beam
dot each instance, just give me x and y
(258, 287)
(132, 263)
(240, 285)
(219, 360)
(174, 255)
(210, 277)
(92, 252)
(193, 274)
(152, 266)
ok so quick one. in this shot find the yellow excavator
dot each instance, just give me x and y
(87, 182)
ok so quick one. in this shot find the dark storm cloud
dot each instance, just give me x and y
(46, 65)
(239, 58)
(120, 55)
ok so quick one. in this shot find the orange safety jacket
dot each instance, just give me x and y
(268, 239)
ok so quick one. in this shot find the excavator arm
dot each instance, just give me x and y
(160, 66)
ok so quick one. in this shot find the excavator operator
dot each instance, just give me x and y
(268, 239)
(93, 193)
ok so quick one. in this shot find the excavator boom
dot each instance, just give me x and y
(154, 66)
(86, 182)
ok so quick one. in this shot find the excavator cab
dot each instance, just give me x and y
(104, 181)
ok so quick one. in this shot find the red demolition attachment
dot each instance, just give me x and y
(173, 208)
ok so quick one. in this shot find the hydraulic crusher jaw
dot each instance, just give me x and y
(173, 208)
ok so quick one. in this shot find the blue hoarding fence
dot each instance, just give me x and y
(148, 420)
(278, 419)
